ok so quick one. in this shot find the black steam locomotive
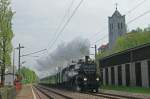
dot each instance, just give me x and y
(79, 76)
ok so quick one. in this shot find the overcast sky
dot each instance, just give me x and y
(35, 22)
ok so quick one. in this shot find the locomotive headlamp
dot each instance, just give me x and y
(85, 79)
(97, 79)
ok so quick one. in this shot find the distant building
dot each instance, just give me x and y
(9, 78)
(103, 48)
(117, 27)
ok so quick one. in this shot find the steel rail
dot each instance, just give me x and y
(46, 94)
(112, 96)
(35, 89)
(62, 95)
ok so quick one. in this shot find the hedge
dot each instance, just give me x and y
(7, 92)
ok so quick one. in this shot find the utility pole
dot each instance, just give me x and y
(19, 48)
(95, 52)
(95, 47)
(96, 62)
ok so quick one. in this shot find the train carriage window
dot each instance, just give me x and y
(138, 74)
(119, 75)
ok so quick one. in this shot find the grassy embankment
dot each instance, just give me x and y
(130, 40)
(128, 89)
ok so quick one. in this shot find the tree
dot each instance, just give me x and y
(138, 30)
(147, 29)
(6, 35)
(28, 76)
(128, 41)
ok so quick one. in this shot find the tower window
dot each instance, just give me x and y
(118, 25)
(121, 25)
(111, 26)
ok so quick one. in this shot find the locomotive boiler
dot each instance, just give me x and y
(81, 76)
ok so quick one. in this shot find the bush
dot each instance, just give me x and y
(130, 40)
(7, 92)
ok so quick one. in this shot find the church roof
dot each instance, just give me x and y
(116, 13)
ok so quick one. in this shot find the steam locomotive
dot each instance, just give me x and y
(79, 76)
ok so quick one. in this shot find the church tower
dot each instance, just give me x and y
(117, 27)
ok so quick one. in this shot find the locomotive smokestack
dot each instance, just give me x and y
(86, 59)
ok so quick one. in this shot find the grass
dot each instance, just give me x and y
(128, 89)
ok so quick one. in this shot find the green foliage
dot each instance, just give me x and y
(7, 92)
(127, 89)
(130, 40)
(139, 30)
(49, 80)
(28, 76)
(6, 35)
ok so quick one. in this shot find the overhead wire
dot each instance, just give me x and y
(33, 53)
(141, 15)
(105, 36)
(66, 23)
(94, 35)
(131, 10)
(128, 23)
(62, 21)
(135, 7)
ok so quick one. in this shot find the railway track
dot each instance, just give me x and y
(43, 92)
(77, 95)
(121, 96)
(112, 96)
(47, 92)
(35, 90)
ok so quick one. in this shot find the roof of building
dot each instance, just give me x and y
(103, 46)
(127, 50)
(116, 13)
(8, 74)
